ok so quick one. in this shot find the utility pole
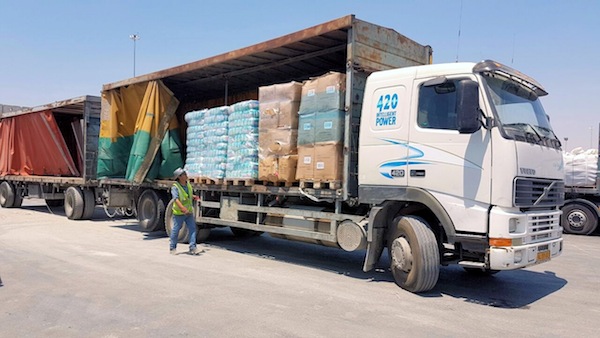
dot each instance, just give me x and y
(134, 37)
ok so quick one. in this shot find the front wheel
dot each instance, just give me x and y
(579, 218)
(414, 254)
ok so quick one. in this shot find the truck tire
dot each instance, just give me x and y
(89, 203)
(579, 219)
(150, 211)
(74, 203)
(414, 254)
(183, 233)
(55, 203)
(7, 195)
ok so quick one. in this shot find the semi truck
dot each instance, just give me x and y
(581, 210)
(440, 164)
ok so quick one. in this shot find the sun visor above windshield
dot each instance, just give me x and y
(513, 74)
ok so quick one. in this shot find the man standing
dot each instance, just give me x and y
(183, 211)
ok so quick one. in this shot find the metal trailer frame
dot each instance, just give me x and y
(348, 45)
(53, 187)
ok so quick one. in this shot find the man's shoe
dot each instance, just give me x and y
(173, 252)
(196, 251)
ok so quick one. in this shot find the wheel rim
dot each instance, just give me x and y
(577, 219)
(147, 210)
(69, 204)
(3, 195)
(402, 257)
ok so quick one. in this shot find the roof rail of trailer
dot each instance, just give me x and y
(293, 57)
(70, 106)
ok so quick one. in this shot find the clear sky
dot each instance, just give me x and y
(55, 50)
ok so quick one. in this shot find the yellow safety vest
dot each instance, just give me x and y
(185, 198)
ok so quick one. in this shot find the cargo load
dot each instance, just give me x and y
(207, 140)
(242, 146)
(278, 131)
(581, 167)
(321, 128)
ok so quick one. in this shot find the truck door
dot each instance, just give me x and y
(384, 134)
(455, 168)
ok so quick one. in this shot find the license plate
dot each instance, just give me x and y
(543, 256)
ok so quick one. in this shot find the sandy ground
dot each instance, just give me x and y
(104, 278)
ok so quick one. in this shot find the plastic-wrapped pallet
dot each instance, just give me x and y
(581, 167)
(278, 131)
(194, 132)
(242, 150)
(321, 128)
(207, 142)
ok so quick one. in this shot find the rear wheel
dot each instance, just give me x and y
(74, 203)
(183, 235)
(89, 203)
(7, 195)
(150, 211)
(414, 254)
(579, 218)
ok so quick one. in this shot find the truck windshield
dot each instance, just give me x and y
(520, 112)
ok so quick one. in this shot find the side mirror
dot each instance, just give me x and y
(467, 106)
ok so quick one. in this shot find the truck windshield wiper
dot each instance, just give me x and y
(523, 124)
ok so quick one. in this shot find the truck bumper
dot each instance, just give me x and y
(515, 257)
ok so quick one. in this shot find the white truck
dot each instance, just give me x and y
(581, 211)
(442, 164)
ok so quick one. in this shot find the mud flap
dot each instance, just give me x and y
(376, 232)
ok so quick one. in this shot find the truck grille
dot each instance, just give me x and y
(531, 192)
(543, 226)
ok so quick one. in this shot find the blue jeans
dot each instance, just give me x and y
(190, 222)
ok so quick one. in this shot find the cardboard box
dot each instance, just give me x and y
(279, 114)
(277, 141)
(331, 89)
(305, 168)
(326, 92)
(329, 126)
(278, 169)
(266, 168)
(306, 129)
(290, 91)
(328, 162)
(287, 168)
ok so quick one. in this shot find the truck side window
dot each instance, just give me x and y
(437, 106)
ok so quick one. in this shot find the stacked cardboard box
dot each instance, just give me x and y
(278, 131)
(321, 128)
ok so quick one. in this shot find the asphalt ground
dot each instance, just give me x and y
(104, 278)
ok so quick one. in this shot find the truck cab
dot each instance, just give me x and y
(461, 157)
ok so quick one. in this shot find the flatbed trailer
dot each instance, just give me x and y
(424, 190)
(63, 142)
(581, 211)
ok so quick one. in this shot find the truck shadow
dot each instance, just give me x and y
(508, 289)
(516, 289)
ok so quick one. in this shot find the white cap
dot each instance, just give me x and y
(178, 172)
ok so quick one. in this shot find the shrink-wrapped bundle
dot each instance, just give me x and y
(242, 150)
